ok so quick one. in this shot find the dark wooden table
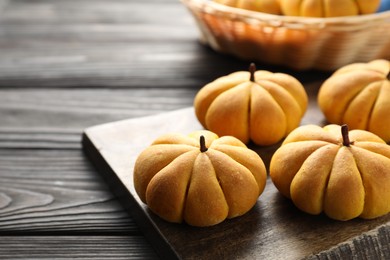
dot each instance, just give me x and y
(68, 65)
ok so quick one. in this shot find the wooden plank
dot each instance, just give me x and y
(66, 113)
(3, 4)
(55, 118)
(58, 191)
(107, 44)
(97, 44)
(273, 229)
(75, 247)
(136, 247)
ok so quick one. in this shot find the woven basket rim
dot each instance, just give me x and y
(294, 22)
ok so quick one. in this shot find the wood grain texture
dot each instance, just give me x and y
(107, 44)
(73, 110)
(371, 245)
(75, 247)
(56, 191)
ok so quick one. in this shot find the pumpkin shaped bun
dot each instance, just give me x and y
(265, 6)
(328, 8)
(257, 105)
(345, 174)
(200, 178)
(359, 95)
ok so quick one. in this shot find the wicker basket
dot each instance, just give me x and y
(297, 42)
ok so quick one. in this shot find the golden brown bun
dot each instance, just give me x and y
(328, 8)
(265, 6)
(179, 182)
(263, 110)
(359, 95)
(320, 174)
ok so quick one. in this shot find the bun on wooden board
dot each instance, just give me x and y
(199, 179)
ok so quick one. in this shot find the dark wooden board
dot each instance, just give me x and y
(273, 229)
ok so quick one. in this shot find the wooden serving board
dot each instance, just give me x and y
(273, 229)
